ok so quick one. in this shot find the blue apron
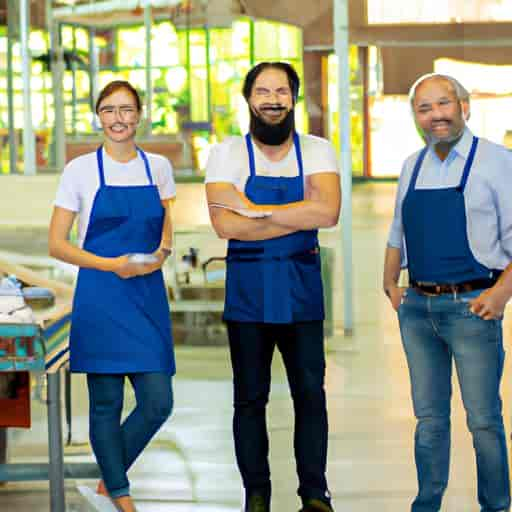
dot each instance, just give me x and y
(122, 325)
(435, 229)
(277, 280)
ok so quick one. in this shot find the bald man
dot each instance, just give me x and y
(452, 228)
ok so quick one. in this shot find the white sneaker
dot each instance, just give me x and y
(99, 502)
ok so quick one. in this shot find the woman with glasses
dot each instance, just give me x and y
(120, 322)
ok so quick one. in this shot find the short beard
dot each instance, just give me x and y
(271, 134)
(433, 140)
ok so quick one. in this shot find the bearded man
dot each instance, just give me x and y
(452, 228)
(268, 193)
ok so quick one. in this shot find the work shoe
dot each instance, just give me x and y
(256, 503)
(313, 505)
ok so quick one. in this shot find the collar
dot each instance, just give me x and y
(463, 147)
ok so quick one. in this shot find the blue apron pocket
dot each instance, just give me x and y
(244, 291)
(306, 287)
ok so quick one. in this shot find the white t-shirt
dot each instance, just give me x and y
(80, 182)
(229, 161)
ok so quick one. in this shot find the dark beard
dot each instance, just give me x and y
(272, 134)
(446, 145)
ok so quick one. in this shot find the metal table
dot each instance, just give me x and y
(35, 349)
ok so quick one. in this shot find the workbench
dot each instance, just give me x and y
(42, 348)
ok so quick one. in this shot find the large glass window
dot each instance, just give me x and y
(197, 79)
(77, 97)
(41, 88)
(448, 11)
(228, 67)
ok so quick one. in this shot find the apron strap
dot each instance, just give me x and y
(99, 158)
(417, 167)
(146, 165)
(298, 152)
(469, 164)
(250, 151)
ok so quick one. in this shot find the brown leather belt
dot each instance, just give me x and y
(441, 288)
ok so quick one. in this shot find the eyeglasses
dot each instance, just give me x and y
(123, 111)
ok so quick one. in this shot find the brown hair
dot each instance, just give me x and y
(115, 86)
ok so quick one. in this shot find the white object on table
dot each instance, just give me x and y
(140, 257)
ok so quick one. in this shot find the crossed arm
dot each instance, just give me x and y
(320, 208)
(61, 248)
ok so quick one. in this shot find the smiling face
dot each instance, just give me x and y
(271, 96)
(438, 112)
(119, 115)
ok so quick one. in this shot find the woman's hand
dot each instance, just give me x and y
(149, 268)
(124, 268)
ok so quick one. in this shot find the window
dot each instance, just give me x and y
(449, 11)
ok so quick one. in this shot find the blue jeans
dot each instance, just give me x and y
(302, 347)
(116, 445)
(435, 330)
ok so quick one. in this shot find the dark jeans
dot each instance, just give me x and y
(302, 347)
(116, 445)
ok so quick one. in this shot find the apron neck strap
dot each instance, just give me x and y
(99, 158)
(146, 165)
(101, 171)
(298, 152)
(252, 161)
(417, 167)
(250, 151)
(469, 164)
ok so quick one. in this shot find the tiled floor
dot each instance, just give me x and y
(189, 467)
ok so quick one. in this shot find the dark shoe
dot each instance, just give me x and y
(257, 503)
(316, 506)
